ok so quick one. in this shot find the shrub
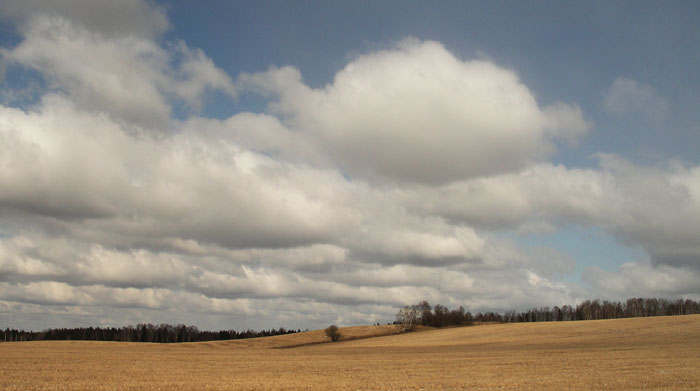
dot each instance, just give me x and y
(333, 332)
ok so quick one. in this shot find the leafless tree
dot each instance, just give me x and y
(333, 333)
(406, 317)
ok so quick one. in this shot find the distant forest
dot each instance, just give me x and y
(420, 314)
(440, 316)
(162, 333)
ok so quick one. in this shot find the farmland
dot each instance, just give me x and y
(641, 353)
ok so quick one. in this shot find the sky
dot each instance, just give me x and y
(238, 165)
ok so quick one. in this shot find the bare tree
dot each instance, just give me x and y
(407, 317)
(333, 333)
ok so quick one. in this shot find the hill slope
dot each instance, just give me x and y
(641, 353)
(304, 338)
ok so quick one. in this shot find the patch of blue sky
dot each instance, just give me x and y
(9, 36)
(588, 246)
(214, 105)
(21, 87)
(219, 105)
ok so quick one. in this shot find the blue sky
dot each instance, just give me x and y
(266, 164)
(562, 51)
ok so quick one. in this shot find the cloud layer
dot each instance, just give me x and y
(409, 177)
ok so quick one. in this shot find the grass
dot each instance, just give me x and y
(625, 354)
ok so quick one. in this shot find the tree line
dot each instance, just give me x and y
(143, 332)
(440, 316)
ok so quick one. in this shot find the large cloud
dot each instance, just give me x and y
(417, 113)
(66, 164)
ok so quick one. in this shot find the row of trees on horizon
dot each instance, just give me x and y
(441, 316)
(143, 332)
(420, 314)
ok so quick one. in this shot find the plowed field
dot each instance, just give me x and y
(626, 354)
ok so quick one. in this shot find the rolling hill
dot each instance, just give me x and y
(640, 353)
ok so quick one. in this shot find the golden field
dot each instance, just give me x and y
(626, 354)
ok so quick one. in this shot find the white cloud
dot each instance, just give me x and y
(656, 208)
(109, 18)
(153, 187)
(418, 114)
(627, 96)
(642, 279)
(131, 77)
(196, 73)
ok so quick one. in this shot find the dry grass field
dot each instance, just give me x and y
(626, 354)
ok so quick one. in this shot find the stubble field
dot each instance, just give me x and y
(625, 354)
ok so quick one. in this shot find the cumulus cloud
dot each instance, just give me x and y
(130, 75)
(417, 113)
(154, 187)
